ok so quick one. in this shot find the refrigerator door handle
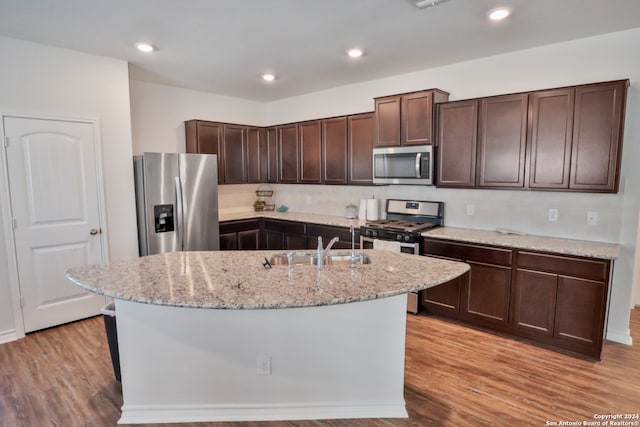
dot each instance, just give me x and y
(179, 213)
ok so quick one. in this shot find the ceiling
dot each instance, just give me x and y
(223, 46)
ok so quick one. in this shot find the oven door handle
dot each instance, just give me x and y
(418, 161)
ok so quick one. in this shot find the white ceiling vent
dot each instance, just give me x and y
(421, 4)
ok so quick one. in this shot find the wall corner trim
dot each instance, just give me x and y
(8, 336)
(619, 337)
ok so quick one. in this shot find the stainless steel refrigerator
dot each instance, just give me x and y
(177, 202)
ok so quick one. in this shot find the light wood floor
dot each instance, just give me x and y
(455, 376)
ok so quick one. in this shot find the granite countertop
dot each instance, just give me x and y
(538, 243)
(292, 216)
(238, 280)
(556, 245)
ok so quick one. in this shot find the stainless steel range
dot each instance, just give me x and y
(405, 221)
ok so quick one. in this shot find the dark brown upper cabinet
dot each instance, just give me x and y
(416, 114)
(257, 155)
(550, 135)
(567, 139)
(288, 159)
(334, 150)
(502, 141)
(310, 142)
(205, 138)
(457, 143)
(272, 154)
(598, 126)
(406, 119)
(234, 154)
(361, 139)
(387, 120)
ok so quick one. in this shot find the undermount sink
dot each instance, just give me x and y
(311, 258)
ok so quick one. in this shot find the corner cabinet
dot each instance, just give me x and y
(555, 300)
(406, 119)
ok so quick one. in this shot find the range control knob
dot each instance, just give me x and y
(374, 233)
(407, 238)
(399, 237)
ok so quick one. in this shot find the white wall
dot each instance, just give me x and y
(42, 80)
(158, 113)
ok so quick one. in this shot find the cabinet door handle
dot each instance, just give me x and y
(93, 231)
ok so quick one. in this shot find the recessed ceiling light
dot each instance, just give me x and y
(499, 14)
(355, 53)
(268, 77)
(145, 47)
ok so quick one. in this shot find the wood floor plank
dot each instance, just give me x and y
(454, 376)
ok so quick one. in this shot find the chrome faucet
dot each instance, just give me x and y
(322, 252)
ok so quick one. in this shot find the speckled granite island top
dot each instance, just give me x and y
(238, 280)
(537, 243)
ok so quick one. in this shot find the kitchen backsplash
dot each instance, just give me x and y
(523, 211)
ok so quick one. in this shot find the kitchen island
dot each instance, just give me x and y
(216, 336)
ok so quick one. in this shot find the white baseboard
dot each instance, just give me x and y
(147, 414)
(619, 337)
(8, 336)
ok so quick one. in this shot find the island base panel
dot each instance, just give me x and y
(190, 365)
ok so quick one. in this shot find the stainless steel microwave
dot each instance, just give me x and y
(403, 165)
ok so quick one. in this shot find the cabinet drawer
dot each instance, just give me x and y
(239, 225)
(285, 226)
(576, 267)
(326, 231)
(468, 252)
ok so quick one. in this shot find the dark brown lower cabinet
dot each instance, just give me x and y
(534, 302)
(444, 298)
(580, 313)
(555, 300)
(285, 235)
(486, 297)
(241, 235)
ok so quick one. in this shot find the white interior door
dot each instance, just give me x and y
(53, 183)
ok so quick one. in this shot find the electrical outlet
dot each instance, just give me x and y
(263, 362)
(592, 218)
(553, 215)
(471, 209)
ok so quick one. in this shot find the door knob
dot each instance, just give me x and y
(93, 231)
